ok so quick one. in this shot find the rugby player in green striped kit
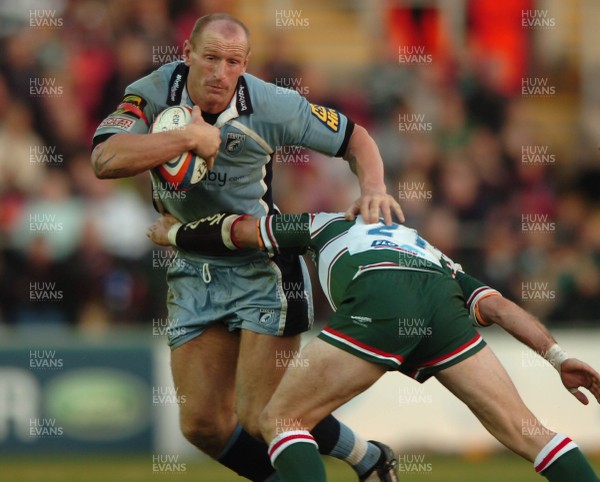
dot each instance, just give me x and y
(377, 276)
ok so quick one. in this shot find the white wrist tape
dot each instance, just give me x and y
(556, 355)
(226, 232)
(172, 234)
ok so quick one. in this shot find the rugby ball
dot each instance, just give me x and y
(187, 169)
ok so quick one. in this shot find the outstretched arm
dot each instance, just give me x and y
(528, 330)
(222, 233)
(516, 321)
(218, 233)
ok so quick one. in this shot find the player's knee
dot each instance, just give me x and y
(272, 421)
(277, 418)
(248, 417)
(265, 422)
(207, 433)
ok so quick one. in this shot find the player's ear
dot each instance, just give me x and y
(187, 50)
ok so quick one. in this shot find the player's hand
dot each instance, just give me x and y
(207, 138)
(574, 374)
(371, 203)
(158, 232)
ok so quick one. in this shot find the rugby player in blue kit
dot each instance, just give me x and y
(233, 312)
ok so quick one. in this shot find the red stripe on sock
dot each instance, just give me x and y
(287, 439)
(544, 463)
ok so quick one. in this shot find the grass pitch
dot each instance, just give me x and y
(430, 468)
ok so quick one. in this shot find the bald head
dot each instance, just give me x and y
(217, 55)
(222, 23)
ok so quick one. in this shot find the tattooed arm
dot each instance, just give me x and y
(124, 155)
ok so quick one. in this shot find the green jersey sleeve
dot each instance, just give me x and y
(473, 292)
(297, 233)
(285, 233)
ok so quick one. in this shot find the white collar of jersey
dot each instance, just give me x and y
(185, 97)
(240, 104)
(360, 221)
(229, 113)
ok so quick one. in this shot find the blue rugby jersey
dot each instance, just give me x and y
(260, 118)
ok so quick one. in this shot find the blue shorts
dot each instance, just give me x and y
(264, 295)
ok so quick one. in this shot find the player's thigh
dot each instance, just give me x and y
(262, 362)
(483, 384)
(322, 379)
(276, 308)
(204, 376)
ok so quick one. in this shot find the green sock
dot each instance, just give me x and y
(570, 467)
(296, 457)
(562, 461)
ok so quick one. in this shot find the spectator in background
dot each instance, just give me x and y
(20, 148)
(132, 62)
(38, 288)
(52, 214)
(470, 97)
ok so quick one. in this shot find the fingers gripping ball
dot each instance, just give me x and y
(184, 171)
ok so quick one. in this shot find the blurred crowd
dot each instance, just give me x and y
(462, 155)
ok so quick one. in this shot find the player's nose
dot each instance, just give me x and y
(219, 70)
